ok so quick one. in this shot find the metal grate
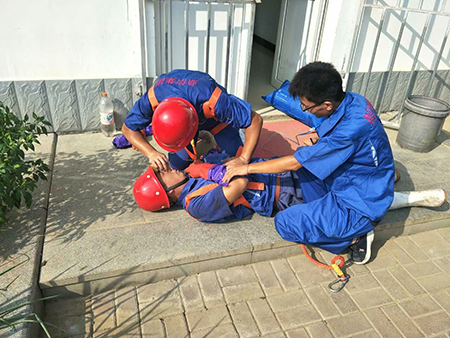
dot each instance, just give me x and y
(166, 17)
(404, 11)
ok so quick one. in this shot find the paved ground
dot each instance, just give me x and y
(404, 292)
(98, 239)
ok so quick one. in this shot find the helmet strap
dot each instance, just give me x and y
(186, 178)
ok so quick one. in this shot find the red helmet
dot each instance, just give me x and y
(174, 123)
(149, 193)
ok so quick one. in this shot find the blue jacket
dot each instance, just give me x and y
(195, 87)
(353, 157)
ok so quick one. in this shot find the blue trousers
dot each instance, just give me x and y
(321, 220)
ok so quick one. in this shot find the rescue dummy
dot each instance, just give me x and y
(202, 192)
(346, 175)
(183, 103)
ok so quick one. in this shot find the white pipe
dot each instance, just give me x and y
(391, 125)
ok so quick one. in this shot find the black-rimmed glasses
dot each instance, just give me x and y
(304, 108)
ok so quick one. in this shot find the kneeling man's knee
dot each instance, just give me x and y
(284, 229)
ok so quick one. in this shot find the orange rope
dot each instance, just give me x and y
(342, 280)
(335, 258)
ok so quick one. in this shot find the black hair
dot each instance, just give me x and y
(317, 82)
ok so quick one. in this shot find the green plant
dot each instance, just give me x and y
(9, 317)
(18, 176)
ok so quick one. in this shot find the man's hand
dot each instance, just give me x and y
(311, 140)
(240, 160)
(159, 160)
(138, 140)
(234, 170)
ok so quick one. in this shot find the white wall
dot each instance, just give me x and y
(91, 39)
(70, 39)
(266, 20)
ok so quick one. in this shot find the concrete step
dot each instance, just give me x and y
(403, 292)
(270, 114)
(97, 239)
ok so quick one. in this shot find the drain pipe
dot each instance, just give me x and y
(321, 29)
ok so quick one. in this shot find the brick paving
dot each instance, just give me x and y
(404, 292)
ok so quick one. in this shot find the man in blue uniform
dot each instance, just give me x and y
(347, 179)
(202, 193)
(187, 102)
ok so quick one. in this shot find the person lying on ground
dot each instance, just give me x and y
(202, 193)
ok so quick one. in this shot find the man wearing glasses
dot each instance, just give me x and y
(346, 174)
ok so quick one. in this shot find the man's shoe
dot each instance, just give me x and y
(361, 250)
(397, 176)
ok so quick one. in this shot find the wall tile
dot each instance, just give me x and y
(32, 97)
(120, 91)
(89, 93)
(62, 97)
(9, 98)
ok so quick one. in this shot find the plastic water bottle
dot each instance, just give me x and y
(107, 115)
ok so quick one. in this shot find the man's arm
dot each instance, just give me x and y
(235, 189)
(252, 133)
(277, 165)
(214, 206)
(138, 140)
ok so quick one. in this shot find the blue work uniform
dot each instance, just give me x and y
(197, 88)
(347, 179)
(213, 207)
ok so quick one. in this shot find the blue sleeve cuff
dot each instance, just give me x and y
(140, 116)
(303, 161)
(200, 207)
(234, 111)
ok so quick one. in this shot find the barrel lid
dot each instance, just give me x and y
(428, 106)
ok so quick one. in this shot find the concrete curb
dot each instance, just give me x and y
(25, 287)
(153, 273)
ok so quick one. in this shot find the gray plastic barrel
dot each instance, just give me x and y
(422, 121)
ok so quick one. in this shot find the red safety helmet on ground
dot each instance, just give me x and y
(174, 123)
(149, 193)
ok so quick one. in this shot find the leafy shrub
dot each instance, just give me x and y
(18, 176)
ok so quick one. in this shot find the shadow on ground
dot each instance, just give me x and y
(91, 192)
